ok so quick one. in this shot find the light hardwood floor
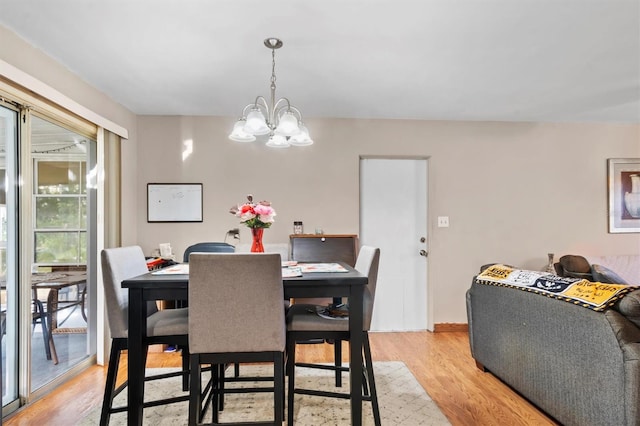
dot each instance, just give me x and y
(441, 362)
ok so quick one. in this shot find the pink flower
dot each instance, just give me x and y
(267, 218)
(263, 210)
(254, 215)
(248, 215)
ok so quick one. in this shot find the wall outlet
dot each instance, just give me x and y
(443, 221)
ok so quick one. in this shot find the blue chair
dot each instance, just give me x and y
(207, 248)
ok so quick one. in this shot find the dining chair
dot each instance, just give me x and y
(235, 315)
(163, 327)
(305, 324)
(207, 247)
(39, 316)
(214, 247)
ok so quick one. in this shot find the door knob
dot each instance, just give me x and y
(423, 253)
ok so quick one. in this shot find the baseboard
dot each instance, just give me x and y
(449, 327)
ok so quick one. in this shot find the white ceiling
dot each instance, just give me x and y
(502, 60)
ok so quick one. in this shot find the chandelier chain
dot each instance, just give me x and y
(273, 66)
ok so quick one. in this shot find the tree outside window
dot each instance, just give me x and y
(60, 235)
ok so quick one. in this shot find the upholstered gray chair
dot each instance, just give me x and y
(235, 315)
(209, 247)
(304, 324)
(163, 327)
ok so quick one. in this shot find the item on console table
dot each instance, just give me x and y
(573, 266)
(550, 269)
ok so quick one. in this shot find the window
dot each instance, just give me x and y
(60, 207)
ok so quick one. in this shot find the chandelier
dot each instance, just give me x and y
(278, 119)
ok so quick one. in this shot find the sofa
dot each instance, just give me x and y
(578, 365)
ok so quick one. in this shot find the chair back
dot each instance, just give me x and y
(119, 264)
(207, 248)
(367, 264)
(235, 303)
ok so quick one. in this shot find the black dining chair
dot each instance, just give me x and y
(304, 324)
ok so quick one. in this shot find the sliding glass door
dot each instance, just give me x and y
(48, 220)
(62, 162)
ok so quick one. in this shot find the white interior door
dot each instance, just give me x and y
(393, 217)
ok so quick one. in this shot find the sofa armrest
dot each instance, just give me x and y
(629, 307)
(628, 337)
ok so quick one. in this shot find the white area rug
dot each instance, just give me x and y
(402, 401)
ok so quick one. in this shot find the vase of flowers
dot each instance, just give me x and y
(256, 216)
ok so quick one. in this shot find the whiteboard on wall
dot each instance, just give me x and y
(174, 202)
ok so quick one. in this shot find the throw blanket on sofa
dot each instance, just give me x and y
(592, 295)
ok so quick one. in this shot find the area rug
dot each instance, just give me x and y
(402, 401)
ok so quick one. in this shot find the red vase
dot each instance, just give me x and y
(256, 246)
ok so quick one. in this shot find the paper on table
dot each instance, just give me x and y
(180, 269)
(321, 267)
(293, 271)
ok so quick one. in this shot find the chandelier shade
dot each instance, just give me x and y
(239, 134)
(255, 123)
(302, 138)
(288, 124)
(280, 120)
(278, 141)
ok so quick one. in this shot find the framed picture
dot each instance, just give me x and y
(174, 202)
(624, 194)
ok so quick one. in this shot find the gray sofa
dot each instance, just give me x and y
(579, 366)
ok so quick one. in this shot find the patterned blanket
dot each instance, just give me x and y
(592, 295)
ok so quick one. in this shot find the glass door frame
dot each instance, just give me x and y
(10, 165)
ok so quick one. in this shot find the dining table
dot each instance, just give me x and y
(347, 283)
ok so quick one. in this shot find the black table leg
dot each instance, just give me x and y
(355, 352)
(136, 356)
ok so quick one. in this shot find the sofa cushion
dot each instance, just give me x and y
(629, 306)
(625, 265)
(605, 275)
